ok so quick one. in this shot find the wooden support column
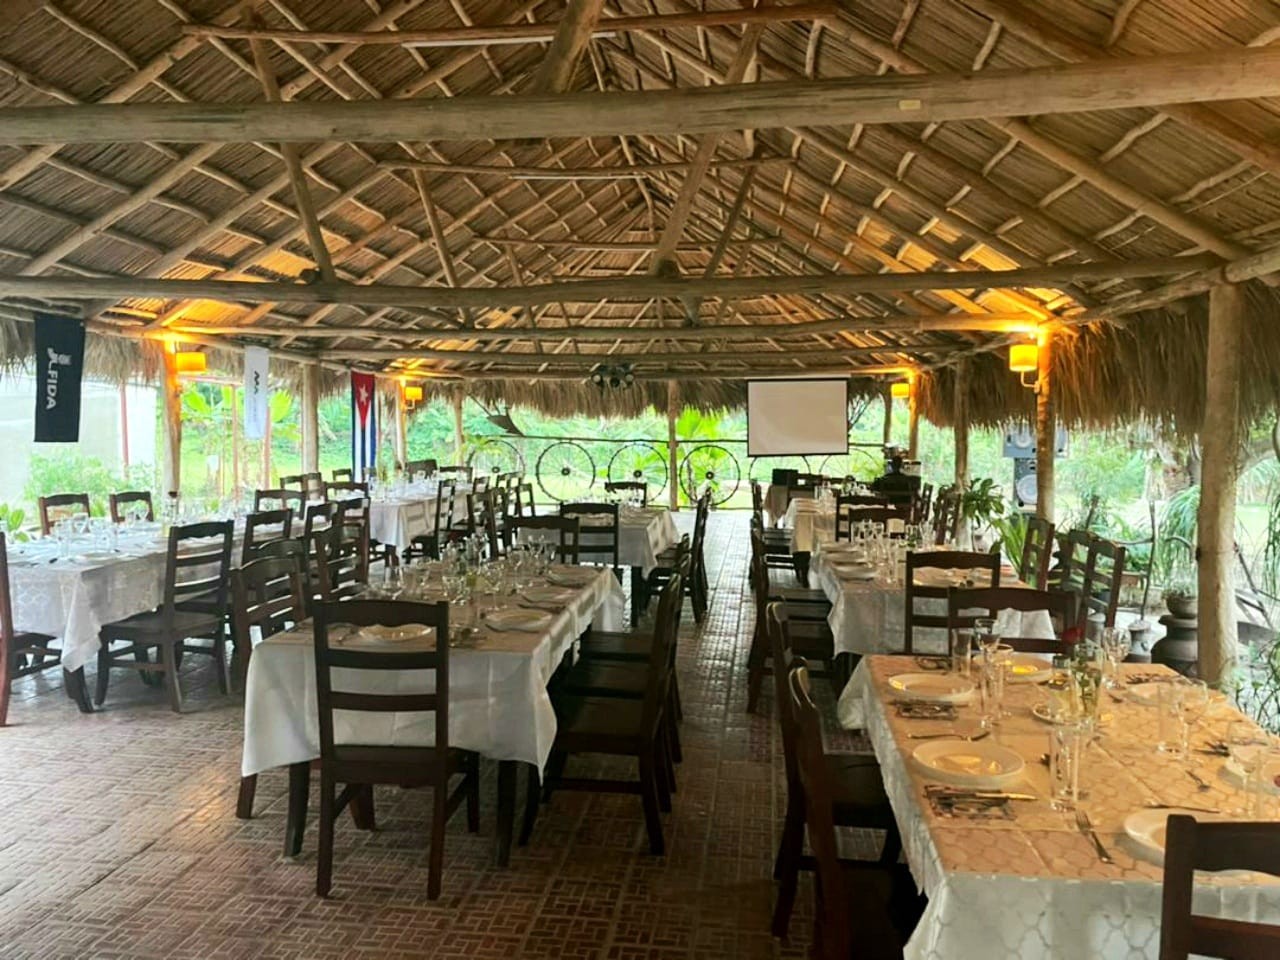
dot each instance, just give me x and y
(1046, 429)
(459, 435)
(673, 445)
(1220, 447)
(888, 417)
(913, 421)
(402, 427)
(310, 416)
(171, 406)
(961, 424)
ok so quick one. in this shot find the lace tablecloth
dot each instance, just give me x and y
(498, 701)
(1032, 886)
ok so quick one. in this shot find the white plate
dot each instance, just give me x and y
(854, 571)
(517, 618)
(1041, 712)
(95, 557)
(935, 687)
(1270, 772)
(377, 633)
(1028, 668)
(980, 764)
(571, 578)
(1146, 829)
(549, 595)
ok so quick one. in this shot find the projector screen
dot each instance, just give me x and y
(797, 417)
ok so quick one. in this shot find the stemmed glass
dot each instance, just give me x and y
(1115, 647)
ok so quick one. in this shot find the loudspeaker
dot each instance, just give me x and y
(785, 478)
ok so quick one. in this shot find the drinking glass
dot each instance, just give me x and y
(961, 652)
(455, 587)
(1066, 749)
(987, 633)
(1115, 647)
(990, 691)
(1086, 686)
(1192, 706)
(1059, 691)
(392, 583)
(1169, 719)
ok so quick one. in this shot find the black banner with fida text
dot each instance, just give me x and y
(59, 369)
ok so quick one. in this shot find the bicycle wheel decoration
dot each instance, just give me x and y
(856, 463)
(641, 462)
(711, 467)
(494, 456)
(565, 471)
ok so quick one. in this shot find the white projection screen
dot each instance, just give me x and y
(797, 417)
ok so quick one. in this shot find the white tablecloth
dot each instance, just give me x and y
(642, 535)
(498, 701)
(809, 522)
(398, 520)
(1032, 887)
(870, 616)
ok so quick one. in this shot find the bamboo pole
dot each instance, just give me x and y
(310, 419)
(621, 171)
(1220, 437)
(171, 411)
(913, 421)
(888, 417)
(459, 434)
(961, 425)
(1232, 74)
(402, 427)
(1046, 429)
(673, 445)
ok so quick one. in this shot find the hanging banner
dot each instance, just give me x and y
(364, 426)
(59, 369)
(256, 392)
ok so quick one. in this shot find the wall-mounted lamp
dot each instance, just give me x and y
(189, 361)
(412, 395)
(1024, 358)
(900, 390)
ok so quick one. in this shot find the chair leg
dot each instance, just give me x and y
(244, 802)
(666, 773)
(786, 868)
(104, 672)
(435, 859)
(675, 699)
(324, 853)
(673, 736)
(149, 679)
(532, 796)
(362, 811)
(169, 657)
(649, 800)
(473, 793)
(755, 669)
(220, 662)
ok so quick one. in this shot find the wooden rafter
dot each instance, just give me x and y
(628, 171)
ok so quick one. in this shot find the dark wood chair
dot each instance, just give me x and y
(946, 516)
(21, 652)
(275, 498)
(1212, 848)
(697, 588)
(57, 506)
(857, 790)
(197, 568)
(426, 466)
(1060, 605)
(598, 542)
(810, 633)
(481, 483)
(854, 903)
(118, 504)
(360, 767)
(1037, 551)
(345, 489)
(562, 531)
(430, 543)
(922, 504)
(1073, 559)
(914, 617)
(625, 728)
(1103, 577)
(629, 488)
(311, 484)
(263, 526)
(341, 573)
(525, 505)
(459, 474)
(342, 474)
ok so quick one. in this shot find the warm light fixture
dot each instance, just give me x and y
(189, 361)
(900, 390)
(1024, 359)
(412, 395)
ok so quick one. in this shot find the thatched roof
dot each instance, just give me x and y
(1104, 188)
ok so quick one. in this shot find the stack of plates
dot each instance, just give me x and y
(553, 595)
(569, 577)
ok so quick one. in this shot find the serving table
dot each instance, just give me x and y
(1032, 885)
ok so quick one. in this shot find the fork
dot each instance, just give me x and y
(1200, 783)
(1085, 827)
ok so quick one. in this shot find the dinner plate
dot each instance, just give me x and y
(571, 578)
(968, 763)
(1270, 771)
(1041, 712)
(517, 618)
(1027, 668)
(934, 687)
(548, 595)
(377, 633)
(854, 571)
(98, 556)
(1146, 828)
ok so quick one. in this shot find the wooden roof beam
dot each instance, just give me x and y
(1112, 84)
(573, 33)
(627, 171)
(588, 360)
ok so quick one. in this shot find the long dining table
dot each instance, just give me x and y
(1020, 880)
(499, 705)
(397, 518)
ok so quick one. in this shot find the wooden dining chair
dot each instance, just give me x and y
(345, 489)
(1073, 559)
(267, 595)
(197, 569)
(22, 652)
(628, 488)
(424, 466)
(964, 605)
(525, 505)
(857, 790)
(599, 541)
(1037, 551)
(1213, 848)
(118, 504)
(1103, 578)
(340, 571)
(57, 506)
(360, 767)
(977, 563)
(564, 532)
(277, 497)
(429, 544)
(263, 526)
(342, 474)
(854, 901)
(946, 516)
(697, 586)
(848, 515)
(459, 474)
(625, 728)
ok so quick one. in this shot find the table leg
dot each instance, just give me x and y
(506, 810)
(296, 822)
(77, 689)
(638, 598)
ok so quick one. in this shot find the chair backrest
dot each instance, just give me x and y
(345, 489)
(703, 511)
(262, 526)
(415, 467)
(922, 503)
(119, 504)
(1073, 559)
(268, 594)
(341, 571)
(343, 474)
(1214, 847)
(352, 521)
(564, 532)
(462, 473)
(1103, 576)
(281, 496)
(481, 483)
(525, 507)
(598, 542)
(848, 514)
(58, 505)
(1037, 550)
(778, 626)
(629, 487)
(988, 601)
(939, 560)
(197, 568)
(390, 661)
(666, 627)
(946, 516)
(317, 517)
(446, 493)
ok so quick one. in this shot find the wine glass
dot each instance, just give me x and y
(1115, 646)
(392, 582)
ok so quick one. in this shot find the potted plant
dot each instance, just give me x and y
(1180, 596)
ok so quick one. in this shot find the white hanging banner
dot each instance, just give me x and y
(256, 392)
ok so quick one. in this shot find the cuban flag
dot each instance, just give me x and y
(364, 425)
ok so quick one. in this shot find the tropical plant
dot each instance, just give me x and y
(1011, 528)
(70, 472)
(1175, 547)
(11, 521)
(982, 501)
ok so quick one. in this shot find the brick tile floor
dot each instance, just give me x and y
(118, 837)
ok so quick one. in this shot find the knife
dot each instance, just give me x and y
(985, 795)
